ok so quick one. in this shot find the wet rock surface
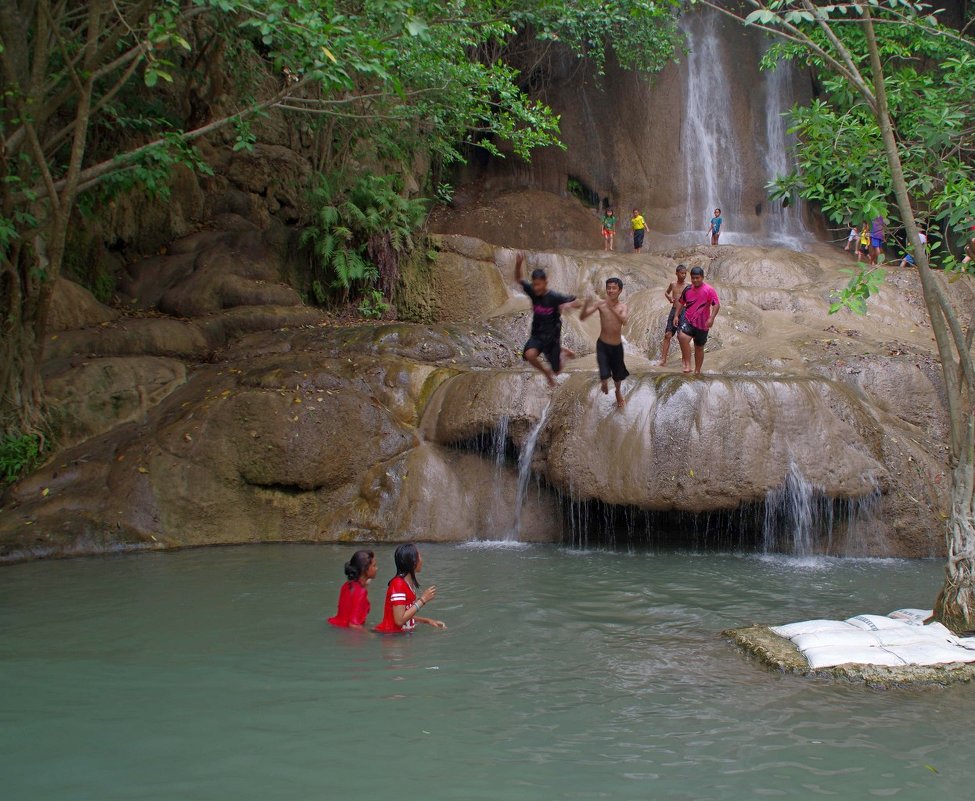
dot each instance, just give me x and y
(256, 420)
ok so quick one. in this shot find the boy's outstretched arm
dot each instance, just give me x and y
(519, 264)
(587, 310)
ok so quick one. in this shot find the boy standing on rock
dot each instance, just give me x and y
(546, 334)
(609, 346)
(673, 294)
(699, 304)
(639, 230)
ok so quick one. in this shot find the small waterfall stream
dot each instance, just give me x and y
(710, 146)
(791, 512)
(784, 224)
(525, 469)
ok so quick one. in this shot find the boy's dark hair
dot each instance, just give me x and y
(539, 273)
(697, 271)
(680, 268)
(616, 281)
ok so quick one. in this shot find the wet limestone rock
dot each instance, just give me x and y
(97, 395)
(207, 272)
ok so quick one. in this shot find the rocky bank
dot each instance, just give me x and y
(220, 409)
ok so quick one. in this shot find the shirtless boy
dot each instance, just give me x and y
(546, 334)
(672, 293)
(699, 304)
(609, 346)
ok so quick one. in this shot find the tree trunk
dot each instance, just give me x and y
(22, 398)
(955, 605)
(956, 601)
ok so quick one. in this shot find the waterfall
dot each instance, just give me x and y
(712, 166)
(499, 441)
(525, 469)
(726, 158)
(791, 513)
(783, 224)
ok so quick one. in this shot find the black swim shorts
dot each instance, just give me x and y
(610, 361)
(699, 335)
(672, 327)
(551, 349)
(638, 238)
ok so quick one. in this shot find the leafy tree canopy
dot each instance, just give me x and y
(929, 74)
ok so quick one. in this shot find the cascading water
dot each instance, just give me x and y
(716, 148)
(790, 515)
(709, 143)
(783, 223)
(525, 469)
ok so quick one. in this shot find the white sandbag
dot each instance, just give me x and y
(873, 622)
(967, 642)
(932, 654)
(850, 638)
(790, 630)
(913, 616)
(911, 635)
(939, 630)
(830, 656)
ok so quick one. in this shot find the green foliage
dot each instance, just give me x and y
(930, 83)
(103, 286)
(643, 35)
(863, 283)
(358, 234)
(19, 453)
(444, 193)
(372, 305)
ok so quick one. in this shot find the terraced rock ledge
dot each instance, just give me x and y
(779, 653)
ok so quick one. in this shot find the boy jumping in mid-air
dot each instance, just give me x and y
(609, 346)
(546, 334)
(672, 293)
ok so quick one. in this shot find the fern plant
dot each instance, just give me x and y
(357, 238)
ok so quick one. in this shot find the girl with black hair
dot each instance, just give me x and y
(353, 597)
(402, 605)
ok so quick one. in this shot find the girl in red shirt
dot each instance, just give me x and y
(353, 597)
(402, 605)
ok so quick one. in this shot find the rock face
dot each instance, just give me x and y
(261, 422)
(704, 132)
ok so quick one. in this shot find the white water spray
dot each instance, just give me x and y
(525, 469)
(712, 167)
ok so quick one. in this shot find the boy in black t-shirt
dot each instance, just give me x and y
(546, 334)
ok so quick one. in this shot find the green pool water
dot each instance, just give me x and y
(564, 674)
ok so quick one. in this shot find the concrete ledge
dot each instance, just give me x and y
(779, 653)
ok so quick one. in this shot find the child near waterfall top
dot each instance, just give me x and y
(715, 226)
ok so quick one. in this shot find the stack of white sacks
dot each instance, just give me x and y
(899, 639)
